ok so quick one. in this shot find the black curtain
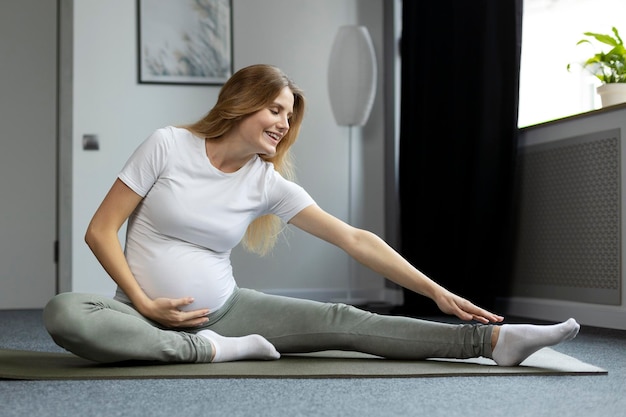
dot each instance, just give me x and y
(458, 142)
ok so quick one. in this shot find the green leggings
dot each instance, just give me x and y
(105, 330)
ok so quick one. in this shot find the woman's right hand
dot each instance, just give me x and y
(167, 311)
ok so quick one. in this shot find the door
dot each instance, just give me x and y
(28, 147)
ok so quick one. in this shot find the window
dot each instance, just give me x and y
(550, 31)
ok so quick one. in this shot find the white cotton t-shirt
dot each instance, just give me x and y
(179, 238)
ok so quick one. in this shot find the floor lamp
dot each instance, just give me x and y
(352, 87)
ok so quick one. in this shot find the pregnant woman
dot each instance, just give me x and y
(190, 194)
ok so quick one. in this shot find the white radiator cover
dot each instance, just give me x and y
(570, 254)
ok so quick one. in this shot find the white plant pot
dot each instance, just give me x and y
(612, 93)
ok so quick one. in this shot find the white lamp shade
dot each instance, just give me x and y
(352, 76)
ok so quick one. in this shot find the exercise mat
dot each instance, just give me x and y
(32, 365)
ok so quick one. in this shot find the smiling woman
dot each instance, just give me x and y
(190, 194)
(258, 134)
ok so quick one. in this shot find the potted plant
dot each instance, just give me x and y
(609, 67)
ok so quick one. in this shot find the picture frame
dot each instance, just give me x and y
(184, 41)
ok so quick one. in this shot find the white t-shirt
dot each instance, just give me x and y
(180, 237)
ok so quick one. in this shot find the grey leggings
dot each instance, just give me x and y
(105, 330)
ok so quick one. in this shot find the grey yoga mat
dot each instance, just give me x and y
(31, 365)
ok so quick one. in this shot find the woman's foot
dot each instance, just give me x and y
(228, 349)
(512, 343)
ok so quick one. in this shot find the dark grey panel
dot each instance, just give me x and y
(569, 237)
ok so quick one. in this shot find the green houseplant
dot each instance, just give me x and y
(609, 67)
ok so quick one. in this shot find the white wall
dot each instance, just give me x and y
(295, 35)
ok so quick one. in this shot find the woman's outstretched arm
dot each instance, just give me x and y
(373, 252)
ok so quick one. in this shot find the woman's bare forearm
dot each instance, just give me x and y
(107, 249)
(373, 252)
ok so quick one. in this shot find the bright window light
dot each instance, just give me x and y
(550, 31)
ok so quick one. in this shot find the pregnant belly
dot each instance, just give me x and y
(203, 275)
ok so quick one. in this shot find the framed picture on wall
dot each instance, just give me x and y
(184, 41)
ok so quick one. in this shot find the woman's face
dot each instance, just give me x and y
(263, 130)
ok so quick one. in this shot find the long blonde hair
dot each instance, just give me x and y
(249, 90)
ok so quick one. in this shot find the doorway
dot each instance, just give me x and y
(28, 153)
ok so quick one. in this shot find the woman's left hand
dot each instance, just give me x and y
(451, 303)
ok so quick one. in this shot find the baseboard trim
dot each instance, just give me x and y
(597, 315)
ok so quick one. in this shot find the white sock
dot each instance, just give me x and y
(228, 349)
(516, 342)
